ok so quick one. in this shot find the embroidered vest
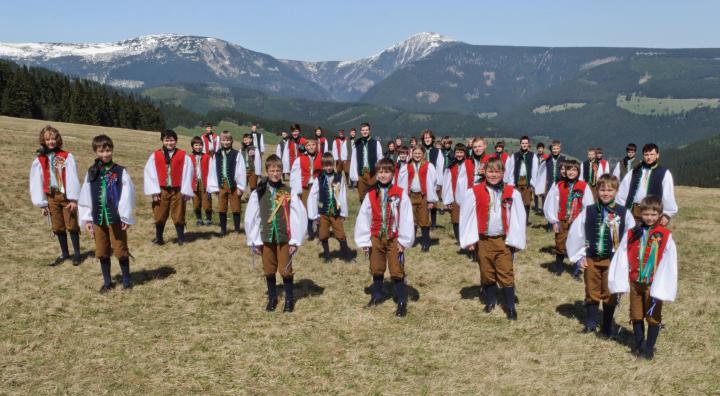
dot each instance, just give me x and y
(570, 201)
(105, 191)
(329, 192)
(274, 214)
(482, 206)
(305, 168)
(385, 218)
(654, 186)
(644, 254)
(372, 155)
(58, 167)
(177, 163)
(231, 160)
(422, 176)
(603, 237)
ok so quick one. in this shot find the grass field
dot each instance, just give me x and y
(663, 106)
(195, 322)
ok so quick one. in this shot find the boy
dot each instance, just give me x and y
(521, 172)
(402, 160)
(280, 148)
(626, 164)
(201, 199)
(274, 223)
(542, 157)
(492, 223)
(418, 177)
(563, 204)
(500, 151)
(590, 171)
(168, 179)
(322, 143)
(454, 187)
(398, 143)
(339, 151)
(306, 168)
(252, 160)
(327, 206)
(474, 169)
(366, 153)
(648, 179)
(54, 188)
(391, 152)
(227, 180)
(413, 143)
(646, 265)
(258, 141)
(592, 240)
(549, 170)
(435, 156)
(604, 164)
(107, 202)
(384, 229)
(349, 148)
(295, 147)
(210, 141)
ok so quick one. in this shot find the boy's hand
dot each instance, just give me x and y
(583, 263)
(471, 247)
(401, 248)
(556, 228)
(316, 221)
(366, 250)
(449, 206)
(89, 228)
(257, 250)
(664, 220)
(293, 249)
(72, 206)
(431, 205)
(45, 211)
(239, 192)
(156, 197)
(124, 226)
(187, 198)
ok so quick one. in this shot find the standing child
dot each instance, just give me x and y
(322, 143)
(210, 141)
(626, 164)
(327, 206)
(592, 240)
(492, 223)
(169, 181)
(339, 151)
(295, 147)
(384, 229)
(107, 202)
(349, 148)
(365, 155)
(258, 141)
(306, 168)
(252, 160)
(201, 199)
(54, 188)
(539, 194)
(433, 155)
(391, 152)
(275, 227)
(521, 172)
(500, 151)
(402, 160)
(454, 187)
(563, 204)
(646, 266)
(602, 163)
(474, 169)
(227, 179)
(419, 178)
(590, 171)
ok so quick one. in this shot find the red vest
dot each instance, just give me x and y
(305, 167)
(576, 205)
(321, 145)
(338, 146)
(177, 163)
(659, 236)
(394, 194)
(204, 167)
(45, 163)
(423, 176)
(482, 206)
(291, 149)
(503, 157)
(207, 142)
(470, 168)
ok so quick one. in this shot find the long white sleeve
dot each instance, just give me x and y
(343, 152)
(540, 178)
(298, 221)
(286, 158)
(126, 204)
(619, 272)
(212, 179)
(151, 185)
(587, 196)
(582, 172)
(517, 224)
(362, 224)
(278, 151)
(312, 201)
(72, 183)
(353, 167)
(85, 203)
(378, 152)
(296, 178)
(402, 180)
(664, 285)
(670, 207)
(240, 173)
(406, 226)
(261, 146)
(534, 171)
(509, 176)
(431, 184)
(624, 190)
(575, 243)
(552, 204)
(468, 220)
(252, 221)
(616, 171)
(258, 163)
(448, 195)
(439, 168)
(188, 178)
(37, 188)
(461, 185)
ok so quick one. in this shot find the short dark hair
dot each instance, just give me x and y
(460, 147)
(385, 164)
(317, 128)
(295, 127)
(102, 141)
(499, 143)
(365, 124)
(168, 133)
(273, 160)
(195, 140)
(631, 146)
(572, 163)
(327, 159)
(353, 130)
(403, 150)
(650, 147)
(524, 138)
(651, 202)
(247, 135)
(541, 144)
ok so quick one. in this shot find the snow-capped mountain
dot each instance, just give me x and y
(348, 80)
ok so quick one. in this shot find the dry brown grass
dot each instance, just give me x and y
(195, 321)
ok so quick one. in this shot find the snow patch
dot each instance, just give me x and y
(489, 78)
(599, 62)
(645, 78)
(427, 97)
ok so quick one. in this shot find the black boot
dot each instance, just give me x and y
(652, 335)
(236, 222)
(64, 253)
(310, 235)
(456, 232)
(376, 291)
(490, 295)
(607, 325)
(509, 301)
(326, 250)
(401, 296)
(591, 310)
(223, 223)
(107, 280)
(208, 218)
(125, 270)
(272, 293)
(159, 229)
(180, 230)
(425, 244)
(433, 218)
(559, 264)
(289, 294)
(75, 239)
(345, 250)
(527, 215)
(639, 335)
(198, 217)
(577, 271)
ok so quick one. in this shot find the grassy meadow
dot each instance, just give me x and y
(195, 321)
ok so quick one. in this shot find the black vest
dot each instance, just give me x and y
(528, 162)
(433, 155)
(549, 170)
(372, 155)
(587, 167)
(324, 194)
(257, 140)
(268, 233)
(593, 216)
(231, 163)
(113, 191)
(654, 184)
(624, 168)
(283, 143)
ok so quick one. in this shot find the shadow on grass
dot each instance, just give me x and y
(144, 276)
(550, 267)
(193, 236)
(388, 292)
(550, 249)
(303, 288)
(478, 292)
(575, 310)
(337, 254)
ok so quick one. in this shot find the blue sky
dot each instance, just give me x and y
(338, 30)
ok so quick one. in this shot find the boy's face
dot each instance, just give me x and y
(417, 155)
(310, 146)
(630, 153)
(541, 150)
(524, 145)
(253, 128)
(391, 146)
(384, 176)
(169, 143)
(460, 155)
(318, 132)
(447, 145)
(104, 154)
(274, 173)
(283, 134)
(365, 131)
(398, 142)
(606, 194)
(650, 217)
(402, 156)
(247, 140)
(295, 133)
(197, 147)
(493, 175)
(413, 142)
(499, 149)
(329, 168)
(427, 139)
(591, 155)
(226, 141)
(598, 155)
(650, 156)
(352, 133)
(478, 148)
(555, 149)
(50, 139)
(208, 129)
(571, 172)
